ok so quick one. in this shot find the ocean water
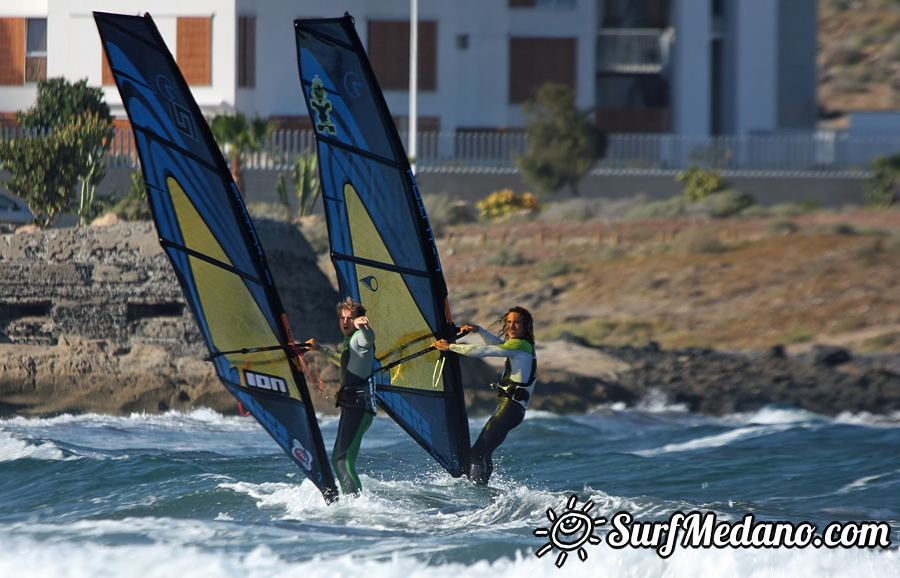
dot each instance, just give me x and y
(206, 495)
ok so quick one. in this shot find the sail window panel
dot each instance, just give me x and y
(12, 51)
(385, 205)
(246, 52)
(389, 54)
(193, 49)
(534, 62)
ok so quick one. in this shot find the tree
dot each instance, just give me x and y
(235, 135)
(58, 101)
(879, 193)
(42, 171)
(563, 143)
(78, 109)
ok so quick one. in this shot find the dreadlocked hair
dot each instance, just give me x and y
(529, 323)
(352, 305)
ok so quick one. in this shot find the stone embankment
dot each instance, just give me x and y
(92, 320)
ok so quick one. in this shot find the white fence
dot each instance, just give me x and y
(814, 152)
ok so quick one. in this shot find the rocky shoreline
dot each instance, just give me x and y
(93, 376)
(137, 363)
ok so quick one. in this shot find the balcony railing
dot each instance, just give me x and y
(632, 50)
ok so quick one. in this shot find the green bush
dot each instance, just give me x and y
(700, 183)
(879, 192)
(445, 212)
(670, 209)
(725, 204)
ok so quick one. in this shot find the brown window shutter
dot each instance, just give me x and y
(12, 51)
(536, 61)
(247, 52)
(427, 62)
(193, 49)
(107, 77)
(389, 53)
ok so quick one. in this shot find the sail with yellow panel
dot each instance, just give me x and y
(382, 246)
(212, 244)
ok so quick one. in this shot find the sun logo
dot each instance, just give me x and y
(570, 531)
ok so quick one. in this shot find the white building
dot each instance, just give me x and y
(693, 67)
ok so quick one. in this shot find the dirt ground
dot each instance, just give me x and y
(725, 284)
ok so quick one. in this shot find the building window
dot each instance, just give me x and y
(193, 49)
(389, 54)
(23, 50)
(246, 52)
(35, 49)
(536, 61)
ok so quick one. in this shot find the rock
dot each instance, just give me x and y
(828, 355)
(93, 319)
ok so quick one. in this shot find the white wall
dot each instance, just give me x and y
(75, 52)
(692, 73)
(757, 64)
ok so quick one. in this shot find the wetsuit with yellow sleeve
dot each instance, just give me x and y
(513, 396)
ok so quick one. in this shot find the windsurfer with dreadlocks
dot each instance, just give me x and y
(356, 396)
(516, 344)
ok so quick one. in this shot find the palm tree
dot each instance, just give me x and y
(236, 136)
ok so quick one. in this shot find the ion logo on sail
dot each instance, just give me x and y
(266, 382)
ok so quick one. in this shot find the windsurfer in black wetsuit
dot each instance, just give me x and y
(356, 396)
(516, 344)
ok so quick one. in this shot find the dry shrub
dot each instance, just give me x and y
(697, 241)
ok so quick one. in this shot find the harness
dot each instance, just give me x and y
(514, 390)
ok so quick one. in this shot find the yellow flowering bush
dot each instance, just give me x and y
(506, 202)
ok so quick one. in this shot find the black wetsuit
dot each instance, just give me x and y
(356, 403)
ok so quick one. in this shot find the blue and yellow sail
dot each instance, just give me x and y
(381, 241)
(212, 244)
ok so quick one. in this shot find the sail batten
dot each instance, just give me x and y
(211, 242)
(381, 242)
